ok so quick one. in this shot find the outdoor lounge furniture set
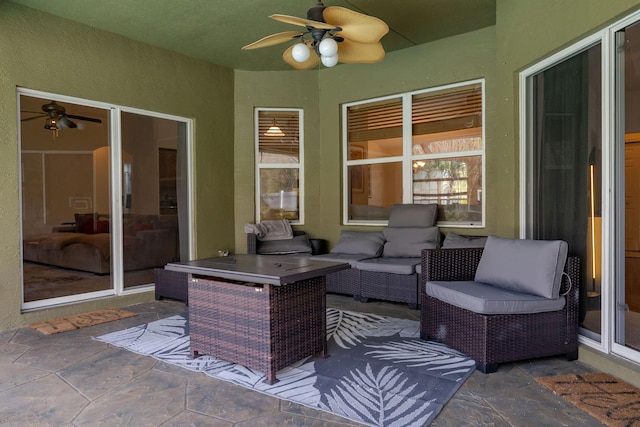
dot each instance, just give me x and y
(496, 300)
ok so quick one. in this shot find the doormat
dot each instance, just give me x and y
(70, 323)
(379, 373)
(611, 401)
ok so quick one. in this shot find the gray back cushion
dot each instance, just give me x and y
(359, 242)
(413, 215)
(530, 266)
(409, 241)
(453, 240)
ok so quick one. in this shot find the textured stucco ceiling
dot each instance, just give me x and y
(215, 30)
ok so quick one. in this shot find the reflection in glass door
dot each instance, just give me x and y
(89, 231)
(564, 169)
(627, 297)
(65, 199)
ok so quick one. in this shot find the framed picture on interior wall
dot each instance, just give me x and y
(357, 171)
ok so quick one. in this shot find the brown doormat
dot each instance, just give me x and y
(611, 401)
(83, 320)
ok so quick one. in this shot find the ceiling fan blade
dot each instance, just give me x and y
(310, 63)
(302, 22)
(356, 26)
(354, 52)
(63, 120)
(32, 118)
(87, 119)
(273, 39)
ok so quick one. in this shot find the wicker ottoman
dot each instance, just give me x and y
(171, 284)
(261, 326)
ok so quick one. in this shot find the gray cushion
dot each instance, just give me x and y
(359, 243)
(453, 240)
(352, 259)
(530, 266)
(389, 265)
(413, 215)
(409, 241)
(299, 244)
(488, 299)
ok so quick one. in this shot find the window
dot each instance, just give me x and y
(279, 160)
(419, 147)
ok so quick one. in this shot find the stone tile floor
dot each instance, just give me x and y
(69, 379)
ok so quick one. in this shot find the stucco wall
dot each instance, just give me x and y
(41, 52)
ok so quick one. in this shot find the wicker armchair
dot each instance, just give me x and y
(491, 339)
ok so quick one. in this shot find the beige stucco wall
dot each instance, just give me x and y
(41, 52)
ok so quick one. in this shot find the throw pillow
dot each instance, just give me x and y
(83, 219)
(530, 266)
(359, 243)
(453, 240)
(413, 215)
(408, 242)
(296, 245)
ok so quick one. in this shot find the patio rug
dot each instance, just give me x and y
(70, 323)
(379, 373)
(611, 401)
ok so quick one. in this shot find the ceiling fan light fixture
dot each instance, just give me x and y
(328, 47)
(301, 52)
(329, 61)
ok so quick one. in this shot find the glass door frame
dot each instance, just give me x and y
(115, 168)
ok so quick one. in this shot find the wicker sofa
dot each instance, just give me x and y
(385, 265)
(516, 316)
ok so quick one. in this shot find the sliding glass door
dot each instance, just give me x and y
(100, 209)
(564, 158)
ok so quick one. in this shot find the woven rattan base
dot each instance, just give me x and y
(263, 327)
(171, 284)
(390, 287)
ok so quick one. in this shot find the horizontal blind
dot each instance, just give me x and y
(289, 124)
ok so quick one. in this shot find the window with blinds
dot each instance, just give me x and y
(279, 163)
(440, 160)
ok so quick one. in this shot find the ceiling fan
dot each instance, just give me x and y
(335, 34)
(56, 117)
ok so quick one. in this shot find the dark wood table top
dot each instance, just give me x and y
(271, 269)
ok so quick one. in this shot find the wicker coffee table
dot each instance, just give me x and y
(260, 311)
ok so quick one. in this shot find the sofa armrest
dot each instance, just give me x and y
(253, 242)
(449, 264)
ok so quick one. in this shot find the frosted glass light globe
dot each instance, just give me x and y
(300, 52)
(328, 47)
(329, 61)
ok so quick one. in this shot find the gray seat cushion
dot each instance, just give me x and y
(352, 259)
(488, 299)
(389, 265)
(522, 265)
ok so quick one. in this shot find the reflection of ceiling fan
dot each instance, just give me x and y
(336, 35)
(56, 117)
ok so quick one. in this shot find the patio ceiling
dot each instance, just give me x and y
(215, 30)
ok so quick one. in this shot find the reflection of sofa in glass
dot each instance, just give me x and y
(148, 241)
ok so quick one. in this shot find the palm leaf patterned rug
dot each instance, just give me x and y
(379, 372)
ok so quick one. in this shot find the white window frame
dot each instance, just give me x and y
(299, 165)
(407, 157)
